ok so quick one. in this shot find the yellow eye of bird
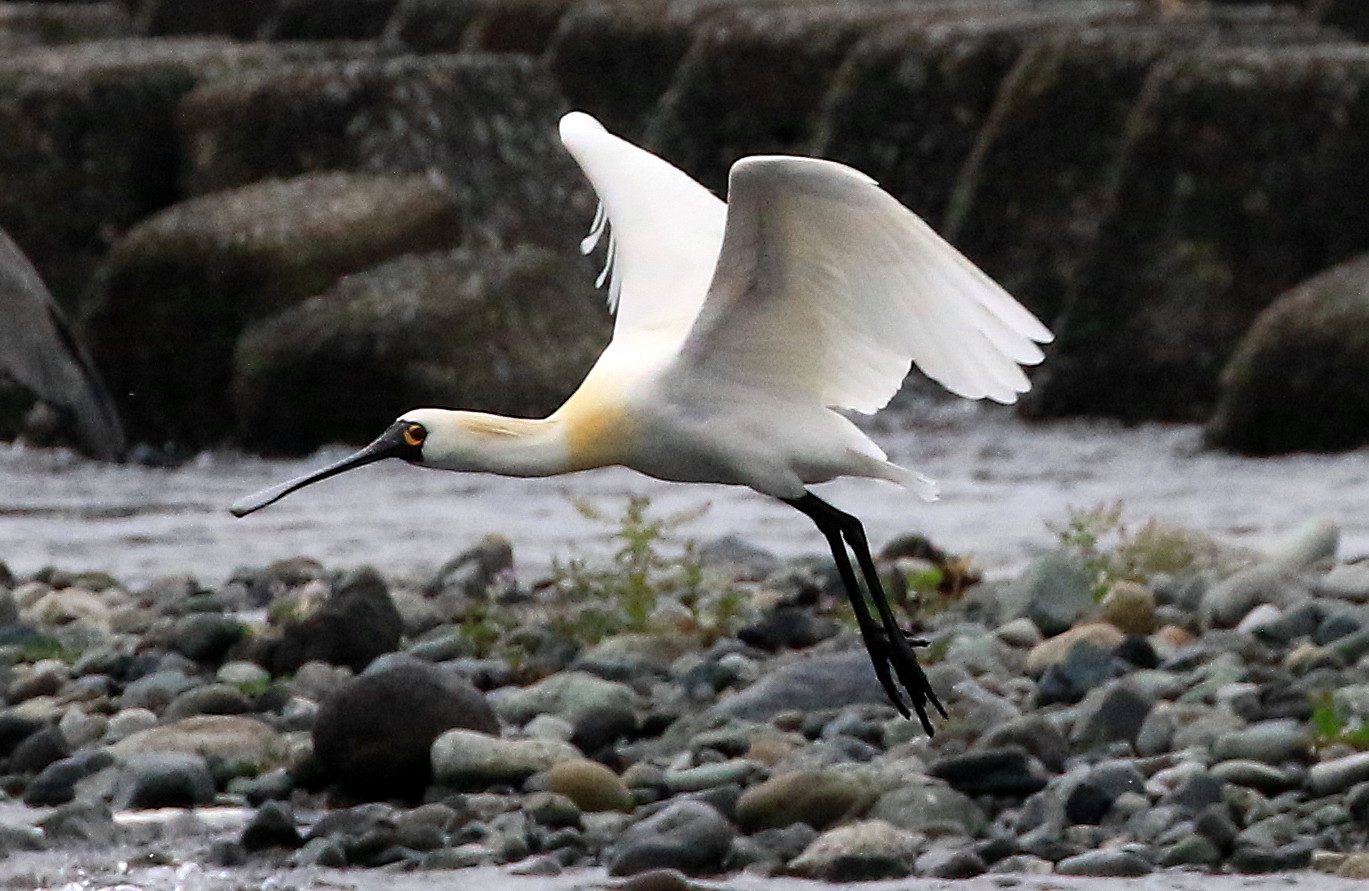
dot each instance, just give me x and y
(414, 434)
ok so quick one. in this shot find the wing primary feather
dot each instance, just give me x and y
(831, 267)
(596, 230)
(664, 230)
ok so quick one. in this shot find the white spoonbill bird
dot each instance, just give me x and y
(740, 329)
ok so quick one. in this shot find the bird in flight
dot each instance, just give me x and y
(741, 329)
(39, 351)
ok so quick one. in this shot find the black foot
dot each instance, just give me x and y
(897, 659)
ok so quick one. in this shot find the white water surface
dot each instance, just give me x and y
(1002, 481)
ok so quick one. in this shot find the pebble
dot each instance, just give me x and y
(818, 798)
(1053, 651)
(1272, 742)
(163, 779)
(465, 759)
(1003, 771)
(1104, 864)
(859, 852)
(1053, 591)
(690, 836)
(1130, 607)
(931, 809)
(1338, 775)
(591, 785)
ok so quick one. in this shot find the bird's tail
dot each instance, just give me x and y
(924, 486)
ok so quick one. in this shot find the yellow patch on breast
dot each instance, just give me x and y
(595, 425)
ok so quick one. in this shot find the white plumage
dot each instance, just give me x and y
(740, 329)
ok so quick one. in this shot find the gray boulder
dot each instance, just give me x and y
(374, 734)
(481, 127)
(1299, 379)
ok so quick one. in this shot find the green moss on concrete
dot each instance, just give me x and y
(180, 287)
(494, 330)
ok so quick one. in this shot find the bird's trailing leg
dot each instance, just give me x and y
(887, 643)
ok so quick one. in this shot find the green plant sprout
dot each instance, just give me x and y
(1111, 552)
(623, 595)
(588, 599)
(1329, 727)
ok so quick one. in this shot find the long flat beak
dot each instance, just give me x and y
(389, 445)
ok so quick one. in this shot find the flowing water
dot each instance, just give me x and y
(1002, 482)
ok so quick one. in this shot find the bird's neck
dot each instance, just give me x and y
(506, 446)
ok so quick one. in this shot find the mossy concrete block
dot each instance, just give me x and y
(1242, 175)
(483, 127)
(495, 26)
(1299, 380)
(908, 104)
(616, 61)
(1352, 16)
(54, 24)
(180, 286)
(753, 82)
(1032, 195)
(433, 26)
(327, 19)
(89, 143)
(241, 19)
(505, 331)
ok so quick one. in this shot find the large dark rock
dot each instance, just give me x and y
(357, 623)
(1299, 380)
(181, 285)
(494, 330)
(374, 734)
(482, 128)
(1240, 177)
(90, 142)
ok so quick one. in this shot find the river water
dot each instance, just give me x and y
(1002, 482)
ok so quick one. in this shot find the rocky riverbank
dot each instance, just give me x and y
(1137, 699)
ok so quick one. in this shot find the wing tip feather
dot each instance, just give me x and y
(577, 126)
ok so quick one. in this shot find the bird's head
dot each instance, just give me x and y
(406, 438)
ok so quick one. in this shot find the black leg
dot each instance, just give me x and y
(888, 646)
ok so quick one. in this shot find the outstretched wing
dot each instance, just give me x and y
(38, 350)
(827, 288)
(665, 229)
